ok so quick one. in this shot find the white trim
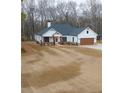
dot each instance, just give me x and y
(88, 29)
(49, 30)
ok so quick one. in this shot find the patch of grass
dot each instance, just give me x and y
(53, 75)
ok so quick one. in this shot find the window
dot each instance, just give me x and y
(46, 39)
(64, 39)
(73, 39)
(87, 32)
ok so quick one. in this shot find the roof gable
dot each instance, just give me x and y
(49, 32)
(87, 32)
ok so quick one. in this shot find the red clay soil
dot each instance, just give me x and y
(27, 48)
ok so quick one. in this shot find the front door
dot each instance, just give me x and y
(56, 40)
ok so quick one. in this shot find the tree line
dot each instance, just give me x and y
(35, 14)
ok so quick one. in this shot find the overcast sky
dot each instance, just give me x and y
(77, 1)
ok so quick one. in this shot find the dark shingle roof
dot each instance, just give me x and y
(64, 29)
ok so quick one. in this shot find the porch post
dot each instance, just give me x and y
(53, 40)
(43, 41)
(60, 40)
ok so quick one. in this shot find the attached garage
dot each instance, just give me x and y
(86, 41)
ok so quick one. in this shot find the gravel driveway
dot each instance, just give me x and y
(96, 46)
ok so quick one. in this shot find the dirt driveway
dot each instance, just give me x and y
(60, 70)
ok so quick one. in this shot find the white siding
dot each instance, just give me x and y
(50, 39)
(70, 38)
(51, 32)
(91, 34)
(38, 38)
(75, 39)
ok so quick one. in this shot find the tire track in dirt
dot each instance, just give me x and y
(88, 81)
(93, 59)
(53, 75)
(75, 55)
(67, 56)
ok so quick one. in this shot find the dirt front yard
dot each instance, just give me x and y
(53, 69)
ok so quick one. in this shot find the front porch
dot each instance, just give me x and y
(54, 40)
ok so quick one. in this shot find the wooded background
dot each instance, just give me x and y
(36, 13)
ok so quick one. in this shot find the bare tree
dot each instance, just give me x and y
(62, 10)
(35, 15)
(92, 14)
(72, 12)
(30, 11)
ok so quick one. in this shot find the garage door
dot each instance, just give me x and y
(86, 41)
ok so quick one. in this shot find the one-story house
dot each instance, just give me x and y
(57, 33)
